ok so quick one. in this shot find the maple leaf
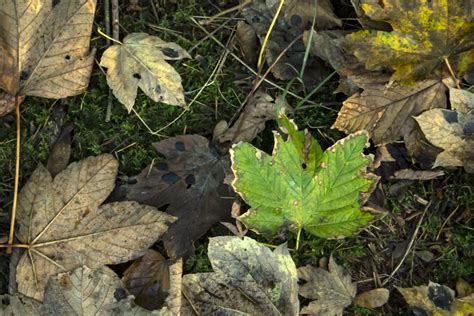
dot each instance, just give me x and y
(300, 186)
(141, 62)
(148, 280)
(452, 130)
(437, 299)
(65, 227)
(331, 291)
(426, 34)
(190, 183)
(44, 47)
(248, 279)
(386, 112)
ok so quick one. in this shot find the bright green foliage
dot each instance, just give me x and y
(424, 34)
(300, 186)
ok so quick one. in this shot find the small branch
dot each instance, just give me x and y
(456, 80)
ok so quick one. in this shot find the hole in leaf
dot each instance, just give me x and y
(56, 2)
(120, 294)
(67, 57)
(24, 75)
(137, 76)
(190, 180)
(169, 52)
(180, 146)
(303, 165)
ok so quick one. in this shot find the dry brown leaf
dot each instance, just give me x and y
(410, 174)
(373, 298)
(300, 13)
(12, 305)
(62, 221)
(386, 111)
(260, 109)
(7, 103)
(331, 291)
(141, 62)
(148, 280)
(60, 154)
(327, 46)
(174, 299)
(247, 39)
(45, 47)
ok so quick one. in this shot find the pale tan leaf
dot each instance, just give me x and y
(410, 174)
(259, 109)
(148, 280)
(174, 299)
(62, 221)
(373, 298)
(11, 305)
(248, 279)
(386, 111)
(452, 131)
(141, 62)
(331, 290)
(45, 47)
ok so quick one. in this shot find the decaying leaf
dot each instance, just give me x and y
(437, 299)
(410, 174)
(66, 226)
(18, 305)
(60, 154)
(248, 279)
(386, 111)
(302, 187)
(259, 109)
(296, 17)
(190, 182)
(425, 33)
(141, 62)
(44, 47)
(247, 39)
(148, 280)
(331, 290)
(373, 298)
(327, 46)
(452, 131)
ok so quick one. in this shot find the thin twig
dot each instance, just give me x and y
(412, 241)
(108, 112)
(17, 173)
(456, 80)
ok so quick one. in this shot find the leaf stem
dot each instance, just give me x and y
(8, 246)
(298, 236)
(17, 174)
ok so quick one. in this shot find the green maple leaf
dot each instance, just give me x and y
(300, 186)
(426, 36)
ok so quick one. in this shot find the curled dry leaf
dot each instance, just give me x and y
(301, 187)
(248, 279)
(65, 225)
(141, 62)
(331, 291)
(259, 109)
(45, 47)
(148, 280)
(190, 183)
(452, 131)
(373, 298)
(437, 299)
(424, 35)
(386, 111)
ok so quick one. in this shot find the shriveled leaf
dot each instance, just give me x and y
(296, 17)
(373, 298)
(141, 62)
(424, 34)
(386, 112)
(410, 174)
(148, 280)
(45, 47)
(248, 279)
(302, 187)
(247, 39)
(190, 182)
(18, 305)
(437, 299)
(331, 290)
(260, 109)
(62, 221)
(452, 131)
